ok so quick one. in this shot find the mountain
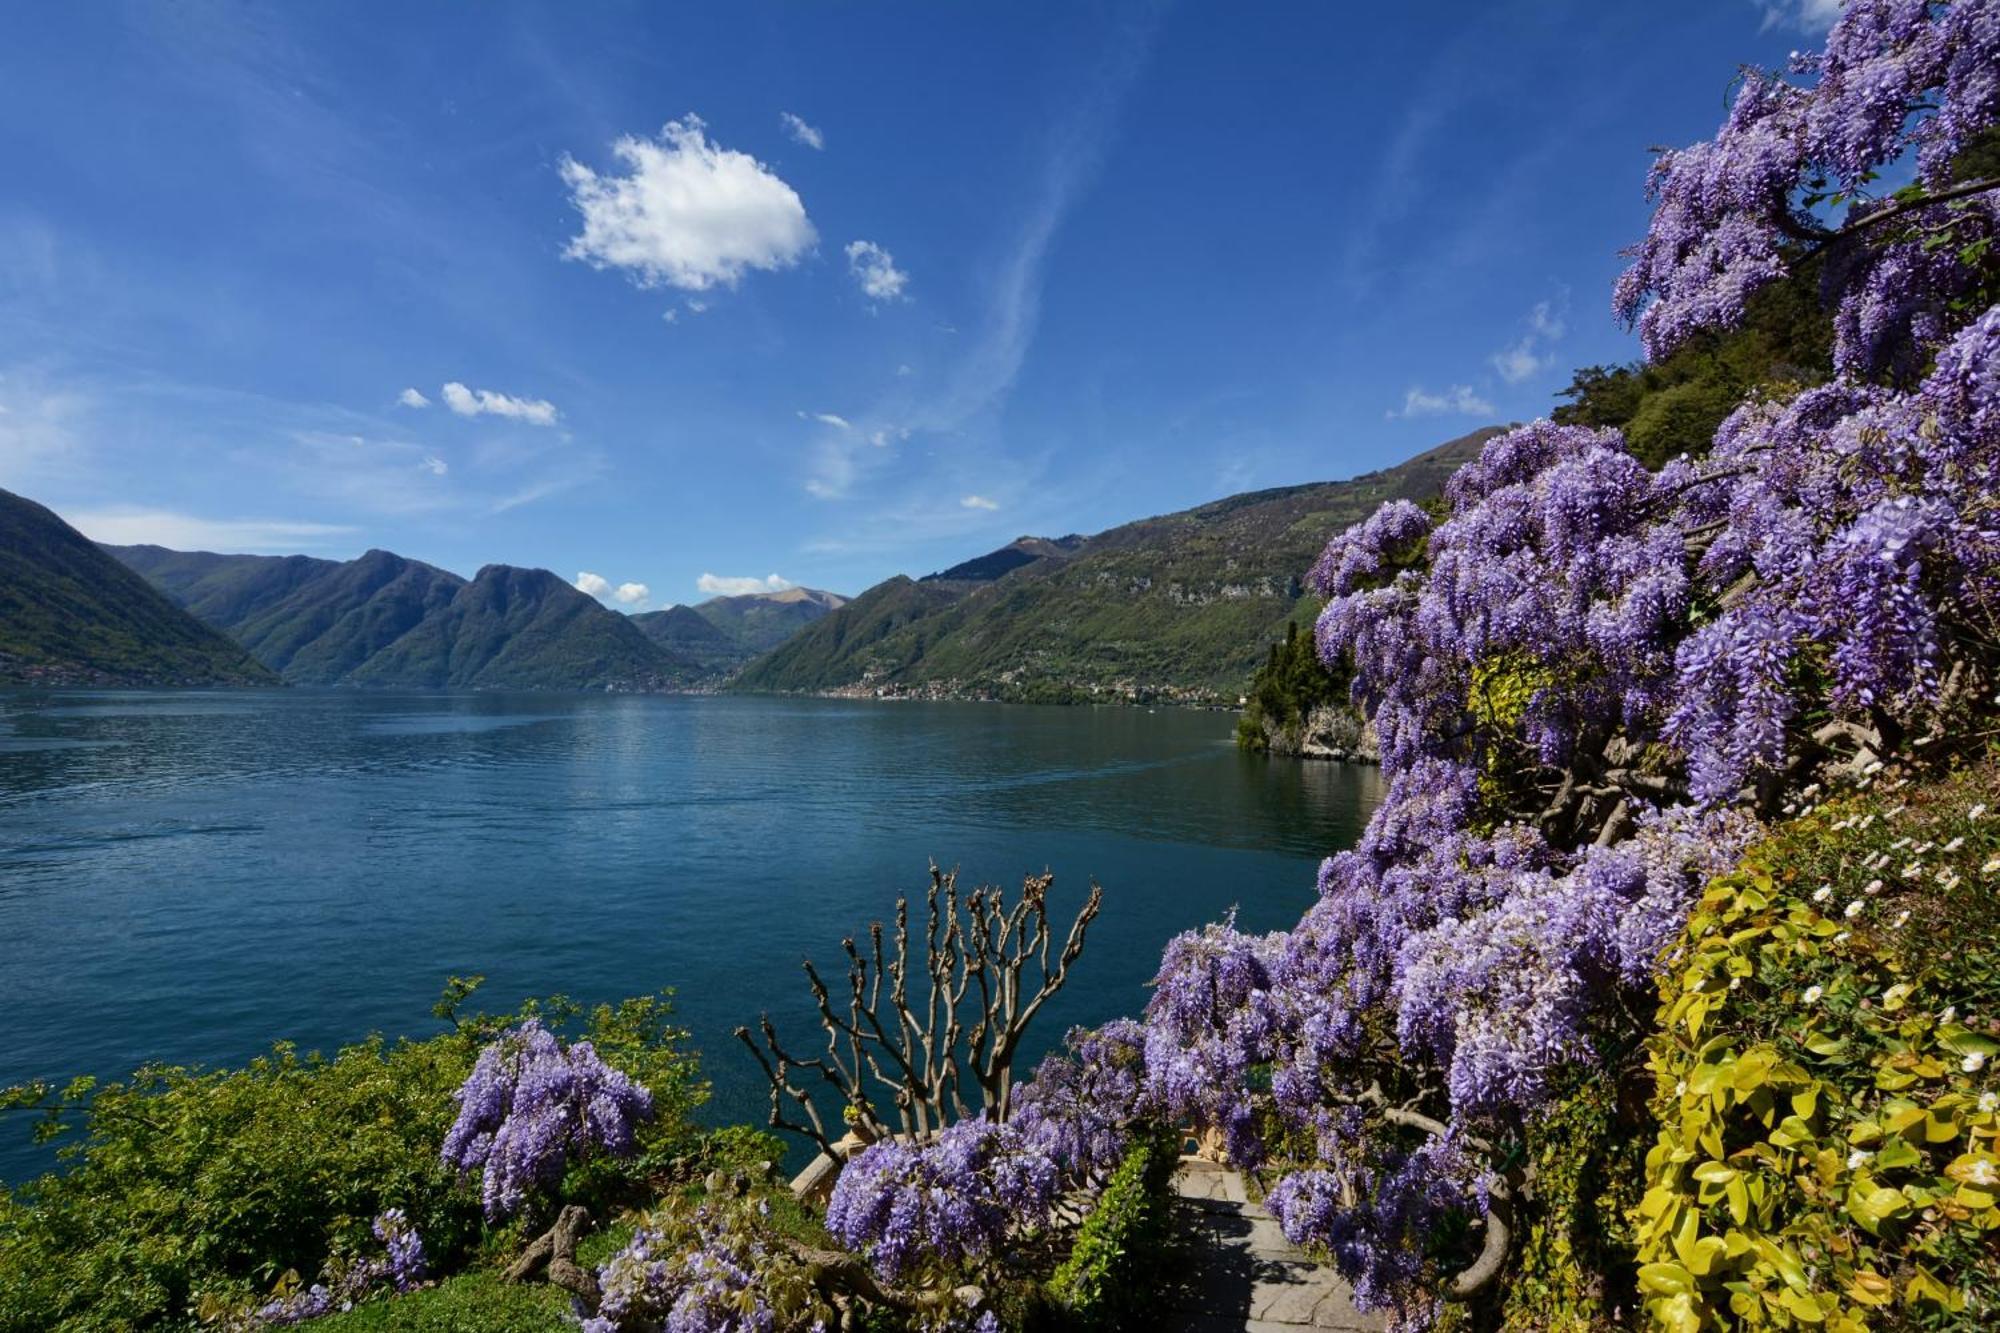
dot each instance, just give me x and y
(760, 621)
(70, 614)
(387, 621)
(723, 633)
(1181, 605)
(686, 632)
(522, 629)
(994, 564)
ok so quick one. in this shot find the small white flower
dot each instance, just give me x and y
(1822, 893)
(1902, 917)
(1736, 983)
(1874, 767)
(1948, 881)
(1843, 937)
(1812, 994)
(1981, 1172)
(1954, 844)
(1857, 1158)
(1921, 848)
(1854, 909)
(1950, 1014)
(1913, 870)
(1990, 866)
(1989, 1102)
(1811, 790)
(1976, 811)
(1973, 1062)
(1874, 887)
(1899, 844)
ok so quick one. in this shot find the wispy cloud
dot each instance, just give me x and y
(978, 502)
(128, 525)
(800, 132)
(833, 419)
(485, 402)
(1810, 16)
(1529, 354)
(1459, 400)
(412, 398)
(686, 213)
(974, 385)
(721, 585)
(874, 269)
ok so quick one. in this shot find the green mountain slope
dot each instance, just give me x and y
(684, 631)
(522, 629)
(70, 614)
(1180, 605)
(758, 622)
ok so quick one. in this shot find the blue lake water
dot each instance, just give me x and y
(190, 876)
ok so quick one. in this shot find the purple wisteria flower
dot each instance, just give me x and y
(903, 1207)
(531, 1106)
(1080, 1106)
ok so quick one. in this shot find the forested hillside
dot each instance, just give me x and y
(1181, 605)
(69, 614)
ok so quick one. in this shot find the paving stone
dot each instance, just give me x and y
(1241, 1272)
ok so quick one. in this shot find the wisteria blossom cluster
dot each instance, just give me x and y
(1599, 674)
(1900, 81)
(1081, 1104)
(346, 1281)
(1206, 1026)
(531, 1106)
(902, 1206)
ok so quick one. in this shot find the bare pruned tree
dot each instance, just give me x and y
(918, 1018)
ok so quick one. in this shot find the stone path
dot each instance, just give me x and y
(1242, 1272)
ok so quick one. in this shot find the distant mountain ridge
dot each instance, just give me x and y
(382, 620)
(1182, 605)
(71, 615)
(723, 633)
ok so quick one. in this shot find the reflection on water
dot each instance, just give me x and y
(190, 875)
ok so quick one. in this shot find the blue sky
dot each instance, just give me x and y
(686, 297)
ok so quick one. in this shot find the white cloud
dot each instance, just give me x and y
(1814, 16)
(875, 269)
(1529, 356)
(904, 372)
(631, 594)
(672, 316)
(695, 307)
(132, 526)
(412, 398)
(434, 465)
(978, 502)
(595, 585)
(719, 585)
(833, 419)
(1458, 398)
(689, 213)
(1519, 361)
(485, 402)
(800, 131)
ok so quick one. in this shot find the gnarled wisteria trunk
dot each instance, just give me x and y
(920, 1018)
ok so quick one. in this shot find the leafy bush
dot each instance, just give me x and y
(187, 1191)
(1827, 1109)
(1284, 692)
(1121, 1246)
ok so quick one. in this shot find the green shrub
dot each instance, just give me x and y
(1121, 1246)
(187, 1191)
(1826, 1100)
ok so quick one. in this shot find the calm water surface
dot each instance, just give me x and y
(191, 876)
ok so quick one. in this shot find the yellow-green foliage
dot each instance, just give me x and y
(1827, 1106)
(1574, 1247)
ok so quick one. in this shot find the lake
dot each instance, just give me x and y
(190, 876)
